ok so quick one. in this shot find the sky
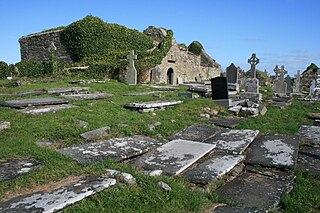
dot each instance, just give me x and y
(280, 32)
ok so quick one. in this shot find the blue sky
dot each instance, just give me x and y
(283, 32)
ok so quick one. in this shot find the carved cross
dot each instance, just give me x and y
(277, 71)
(253, 61)
(282, 73)
(131, 57)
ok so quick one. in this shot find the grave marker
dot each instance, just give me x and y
(253, 61)
(131, 70)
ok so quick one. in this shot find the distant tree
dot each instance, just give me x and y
(312, 66)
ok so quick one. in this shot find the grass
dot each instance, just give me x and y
(63, 129)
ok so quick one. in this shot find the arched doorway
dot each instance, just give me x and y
(170, 76)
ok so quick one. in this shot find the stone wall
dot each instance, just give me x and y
(36, 47)
(180, 66)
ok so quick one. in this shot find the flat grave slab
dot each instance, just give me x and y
(213, 168)
(307, 163)
(65, 90)
(39, 110)
(32, 102)
(310, 134)
(142, 93)
(173, 157)
(13, 168)
(279, 151)
(94, 134)
(196, 132)
(261, 189)
(4, 125)
(227, 122)
(24, 93)
(57, 199)
(233, 141)
(87, 96)
(151, 105)
(164, 88)
(117, 149)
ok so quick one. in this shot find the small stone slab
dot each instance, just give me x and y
(196, 132)
(94, 134)
(59, 198)
(88, 96)
(142, 93)
(24, 93)
(32, 102)
(261, 190)
(307, 163)
(117, 149)
(227, 122)
(151, 105)
(173, 157)
(310, 134)
(4, 125)
(13, 168)
(233, 141)
(213, 168)
(66, 89)
(39, 110)
(164, 88)
(279, 151)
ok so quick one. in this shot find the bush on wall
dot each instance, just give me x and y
(195, 47)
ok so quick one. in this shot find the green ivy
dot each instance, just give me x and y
(195, 47)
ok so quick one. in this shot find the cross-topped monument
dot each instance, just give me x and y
(282, 73)
(277, 71)
(253, 61)
(131, 70)
(297, 82)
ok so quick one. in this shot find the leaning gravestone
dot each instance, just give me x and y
(131, 70)
(220, 95)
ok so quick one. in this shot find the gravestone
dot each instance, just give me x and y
(87, 96)
(32, 102)
(131, 70)
(253, 61)
(281, 87)
(252, 85)
(151, 105)
(288, 85)
(219, 86)
(277, 71)
(232, 74)
(297, 83)
(39, 110)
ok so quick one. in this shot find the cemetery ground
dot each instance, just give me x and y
(63, 128)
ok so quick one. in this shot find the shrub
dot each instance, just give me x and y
(195, 47)
(4, 69)
(32, 68)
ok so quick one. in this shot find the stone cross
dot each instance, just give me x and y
(282, 72)
(131, 71)
(253, 61)
(297, 86)
(277, 71)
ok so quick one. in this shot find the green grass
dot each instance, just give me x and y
(63, 128)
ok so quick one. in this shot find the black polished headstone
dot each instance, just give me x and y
(219, 86)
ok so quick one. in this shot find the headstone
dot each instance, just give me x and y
(233, 141)
(288, 85)
(280, 87)
(57, 199)
(131, 70)
(151, 105)
(32, 102)
(297, 83)
(232, 74)
(277, 71)
(173, 157)
(252, 85)
(278, 151)
(219, 86)
(253, 61)
(116, 149)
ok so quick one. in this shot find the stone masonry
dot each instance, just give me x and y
(36, 47)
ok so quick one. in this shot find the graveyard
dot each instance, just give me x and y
(101, 118)
(107, 152)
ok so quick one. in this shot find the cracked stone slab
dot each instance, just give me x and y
(91, 135)
(152, 104)
(280, 151)
(32, 102)
(39, 110)
(310, 134)
(261, 190)
(143, 93)
(13, 168)
(173, 157)
(213, 168)
(307, 163)
(24, 93)
(87, 96)
(4, 125)
(196, 132)
(66, 89)
(57, 199)
(227, 122)
(233, 141)
(117, 149)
